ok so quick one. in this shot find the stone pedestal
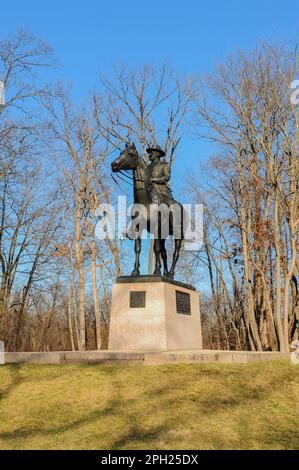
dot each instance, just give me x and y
(154, 313)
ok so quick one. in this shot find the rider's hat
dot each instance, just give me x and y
(157, 148)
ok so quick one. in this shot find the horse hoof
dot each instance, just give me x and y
(157, 272)
(135, 272)
(170, 275)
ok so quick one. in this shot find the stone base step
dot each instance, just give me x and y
(211, 356)
(143, 357)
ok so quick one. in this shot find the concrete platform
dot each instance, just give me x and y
(211, 356)
(145, 357)
(74, 357)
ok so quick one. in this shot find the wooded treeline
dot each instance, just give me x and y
(55, 156)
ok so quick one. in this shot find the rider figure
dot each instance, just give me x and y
(159, 174)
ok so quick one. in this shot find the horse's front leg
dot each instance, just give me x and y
(137, 248)
(176, 254)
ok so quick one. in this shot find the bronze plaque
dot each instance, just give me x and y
(183, 302)
(137, 299)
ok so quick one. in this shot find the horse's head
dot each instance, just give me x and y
(127, 160)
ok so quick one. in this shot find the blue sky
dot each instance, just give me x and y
(90, 36)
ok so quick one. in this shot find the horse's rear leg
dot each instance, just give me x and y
(176, 254)
(157, 250)
(137, 248)
(164, 257)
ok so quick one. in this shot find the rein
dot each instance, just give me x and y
(131, 178)
(125, 175)
(115, 180)
(125, 178)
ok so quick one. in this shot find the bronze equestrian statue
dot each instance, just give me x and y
(150, 186)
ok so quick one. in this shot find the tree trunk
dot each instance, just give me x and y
(95, 288)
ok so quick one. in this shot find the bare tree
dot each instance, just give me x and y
(256, 133)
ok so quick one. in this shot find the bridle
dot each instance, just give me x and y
(125, 177)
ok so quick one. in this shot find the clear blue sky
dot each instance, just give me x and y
(193, 35)
(92, 35)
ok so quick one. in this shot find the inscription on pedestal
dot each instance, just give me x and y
(137, 299)
(183, 302)
(152, 316)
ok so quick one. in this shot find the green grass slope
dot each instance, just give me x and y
(207, 406)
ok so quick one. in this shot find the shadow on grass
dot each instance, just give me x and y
(238, 392)
(16, 379)
(173, 396)
(138, 435)
(118, 406)
(283, 439)
(88, 419)
(115, 407)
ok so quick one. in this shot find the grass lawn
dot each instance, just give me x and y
(209, 406)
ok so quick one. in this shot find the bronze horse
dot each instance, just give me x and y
(129, 159)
